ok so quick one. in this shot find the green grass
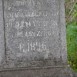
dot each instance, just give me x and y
(72, 45)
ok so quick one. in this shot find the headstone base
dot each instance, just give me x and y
(38, 72)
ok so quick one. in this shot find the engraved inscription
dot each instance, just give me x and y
(30, 28)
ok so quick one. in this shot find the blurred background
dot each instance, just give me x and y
(71, 28)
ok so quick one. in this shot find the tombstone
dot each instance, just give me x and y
(32, 38)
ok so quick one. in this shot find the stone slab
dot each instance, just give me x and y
(39, 72)
(33, 39)
(35, 33)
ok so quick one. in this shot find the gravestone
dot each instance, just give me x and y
(32, 38)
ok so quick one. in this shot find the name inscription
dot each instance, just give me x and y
(30, 25)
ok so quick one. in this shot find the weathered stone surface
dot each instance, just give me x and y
(2, 49)
(35, 32)
(39, 72)
(33, 39)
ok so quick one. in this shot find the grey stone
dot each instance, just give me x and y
(33, 39)
(2, 43)
(35, 32)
